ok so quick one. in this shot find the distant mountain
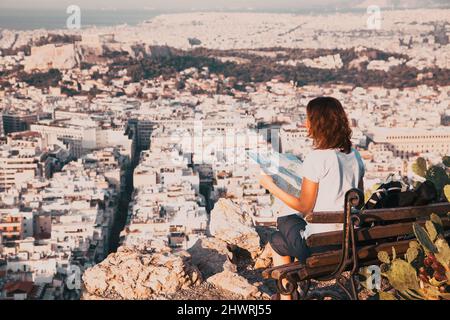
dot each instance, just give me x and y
(403, 3)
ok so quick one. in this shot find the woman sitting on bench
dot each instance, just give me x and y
(332, 168)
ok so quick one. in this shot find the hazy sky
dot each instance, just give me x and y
(171, 4)
(197, 4)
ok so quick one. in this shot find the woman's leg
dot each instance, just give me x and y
(279, 260)
(288, 242)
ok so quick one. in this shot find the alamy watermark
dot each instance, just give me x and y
(229, 146)
(74, 19)
(73, 279)
(374, 19)
(373, 277)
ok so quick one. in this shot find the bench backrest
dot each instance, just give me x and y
(395, 230)
(391, 214)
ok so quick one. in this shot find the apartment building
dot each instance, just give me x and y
(78, 137)
(167, 205)
(16, 167)
(410, 142)
(18, 121)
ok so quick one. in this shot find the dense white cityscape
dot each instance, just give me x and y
(96, 153)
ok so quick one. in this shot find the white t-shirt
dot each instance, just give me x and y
(336, 173)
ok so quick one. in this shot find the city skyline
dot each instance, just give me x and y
(131, 154)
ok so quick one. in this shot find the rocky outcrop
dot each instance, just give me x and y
(218, 263)
(133, 274)
(212, 256)
(51, 56)
(232, 223)
(224, 261)
(234, 283)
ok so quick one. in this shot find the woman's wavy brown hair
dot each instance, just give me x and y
(329, 125)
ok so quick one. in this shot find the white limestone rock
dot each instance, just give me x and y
(234, 283)
(52, 56)
(232, 223)
(131, 274)
(211, 256)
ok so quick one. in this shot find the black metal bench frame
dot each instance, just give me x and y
(293, 279)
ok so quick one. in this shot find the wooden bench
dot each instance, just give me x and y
(357, 245)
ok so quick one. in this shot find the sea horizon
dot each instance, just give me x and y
(55, 19)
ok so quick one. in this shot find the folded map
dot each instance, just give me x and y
(285, 170)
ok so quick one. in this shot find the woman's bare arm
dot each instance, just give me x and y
(304, 204)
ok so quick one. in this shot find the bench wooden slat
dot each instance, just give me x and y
(308, 272)
(378, 238)
(391, 214)
(367, 234)
(311, 273)
(369, 252)
(364, 253)
(305, 272)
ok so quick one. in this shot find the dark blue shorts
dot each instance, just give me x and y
(288, 241)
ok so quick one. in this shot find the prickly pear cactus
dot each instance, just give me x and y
(402, 276)
(411, 254)
(447, 192)
(424, 273)
(436, 221)
(424, 238)
(383, 256)
(443, 254)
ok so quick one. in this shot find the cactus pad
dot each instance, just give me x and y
(424, 239)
